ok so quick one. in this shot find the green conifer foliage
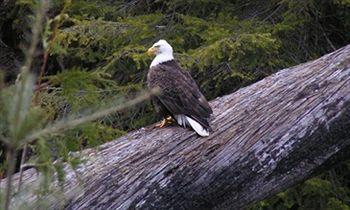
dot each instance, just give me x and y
(96, 54)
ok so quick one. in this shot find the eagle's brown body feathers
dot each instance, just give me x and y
(179, 94)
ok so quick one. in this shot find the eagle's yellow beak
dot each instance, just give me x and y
(152, 51)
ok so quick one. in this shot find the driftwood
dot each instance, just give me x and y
(267, 137)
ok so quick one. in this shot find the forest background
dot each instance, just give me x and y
(92, 52)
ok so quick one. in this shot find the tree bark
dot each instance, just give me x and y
(266, 138)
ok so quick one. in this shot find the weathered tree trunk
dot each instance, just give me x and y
(267, 137)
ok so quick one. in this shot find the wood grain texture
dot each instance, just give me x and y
(266, 137)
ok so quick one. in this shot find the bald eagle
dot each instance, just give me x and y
(180, 98)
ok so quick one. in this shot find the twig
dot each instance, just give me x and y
(47, 50)
(274, 12)
(21, 168)
(11, 162)
(42, 71)
(66, 125)
(327, 38)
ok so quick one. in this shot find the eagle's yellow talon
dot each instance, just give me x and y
(166, 121)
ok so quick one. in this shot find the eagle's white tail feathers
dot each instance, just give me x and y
(181, 120)
(197, 127)
(184, 120)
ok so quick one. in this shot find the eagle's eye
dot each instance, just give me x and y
(157, 46)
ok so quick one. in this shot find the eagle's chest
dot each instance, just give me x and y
(157, 77)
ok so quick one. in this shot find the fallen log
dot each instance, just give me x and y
(266, 138)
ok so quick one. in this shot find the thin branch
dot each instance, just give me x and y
(327, 38)
(11, 162)
(274, 12)
(49, 48)
(66, 125)
(21, 169)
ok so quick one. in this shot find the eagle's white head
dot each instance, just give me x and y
(163, 52)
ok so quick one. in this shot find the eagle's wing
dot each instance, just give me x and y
(181, 95)
(198, 93)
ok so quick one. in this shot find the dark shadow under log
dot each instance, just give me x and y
(267, 137)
